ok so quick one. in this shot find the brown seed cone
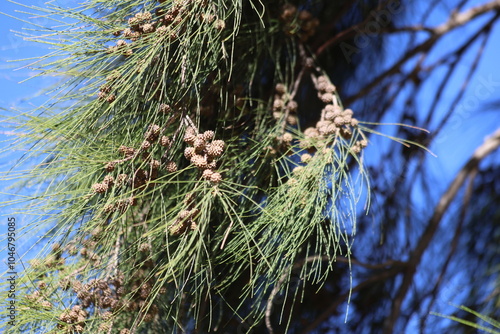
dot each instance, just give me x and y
(110, 166)
(208, 135)
(147, 28)
(280, 89)
(155, 164)
(216, 148)
(165, 108)
(127, 151)
(327, 98)
(100, 188)
(278, 105)
(292, 106)
(292, 120)
(121, 43)
(164, 141)
(121, 179)
(152, 133)
(287, 138)
(111, 98)
(189, 138)
(109, 180)
(199, 161)
(145, 145)
(179, 227)
(199, 144)
(207, 174)
(216, 178)
(311, 132)
(171, 167)
(212, 164)
(306, 158)
(189, 152)
(219, 24)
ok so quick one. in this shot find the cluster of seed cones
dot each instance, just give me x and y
(186, 219)
(301, 23)
(283, 106)
(334, 119)
(74, 318)
(110, 296)
(203, 153)
(139, 176)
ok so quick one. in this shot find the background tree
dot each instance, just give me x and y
(201, 170)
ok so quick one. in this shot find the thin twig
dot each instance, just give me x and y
(453, 246)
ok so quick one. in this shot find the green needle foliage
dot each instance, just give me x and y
(172, 176)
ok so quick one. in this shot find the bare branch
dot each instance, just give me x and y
(489, 145)
(455, 21)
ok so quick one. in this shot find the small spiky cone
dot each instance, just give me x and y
(356, 149)
(339, 121)
(110, 166)
(207, 174)
(216, 148)
(127, 151)
(199, 144)
(311, 132)
(199, 161)
(145, 145)
(121, 179)
(292, 120)
(208, 135)
(171, 167)
(287, 137)
(190, 136)
(278, 105)
(100, 188)
(155, 164)
(297, 170)
(292, 106)
(179, 227)
(109, 180)
(216, 178)
(121, 43)
(327, 98)
(164, 141)
(111, 98)
(152, 133)
(219, 24)
(280, 89)
(330, 88)
(164, 108)
(147, 28)
(189, 152)
(306, 158)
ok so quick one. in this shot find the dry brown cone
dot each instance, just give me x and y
(165, 141)
(100, 188)
(216, 148)
(171, 167)
(110, 166)
(216, 178)
(190, 136)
